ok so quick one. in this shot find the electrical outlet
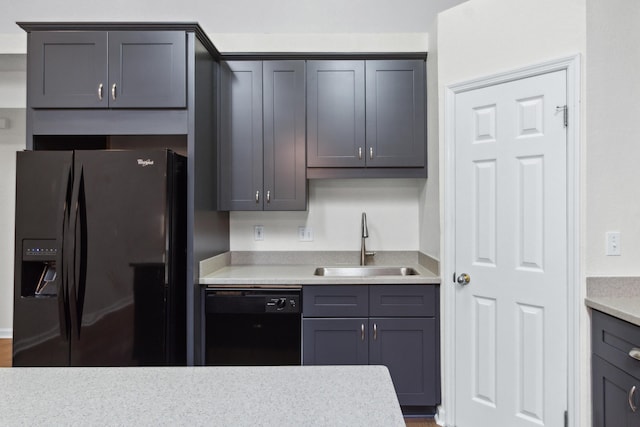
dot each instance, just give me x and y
(613, 243)
(258, 232)
(305, 234)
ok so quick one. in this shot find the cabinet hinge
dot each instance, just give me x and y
(565, 114)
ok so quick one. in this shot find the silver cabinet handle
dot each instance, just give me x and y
(635, 353)
(113, 92)
(371, 153)
(362, 332)
(375, 331)
(258, 196)
(268, 196)
(631, 393)
(100, 88)
(359, 153)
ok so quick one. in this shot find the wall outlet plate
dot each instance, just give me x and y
(613, 244)
(258, 232)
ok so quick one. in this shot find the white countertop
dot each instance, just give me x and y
(625, 308)
(214, 396)
(616, 296)
(297, 275)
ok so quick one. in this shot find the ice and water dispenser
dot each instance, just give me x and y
(39, 268)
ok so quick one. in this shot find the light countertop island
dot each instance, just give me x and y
(197, 396)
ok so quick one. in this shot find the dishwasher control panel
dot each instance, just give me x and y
(283, 304)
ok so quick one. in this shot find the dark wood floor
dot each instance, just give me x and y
(5, 361)
(5, 353)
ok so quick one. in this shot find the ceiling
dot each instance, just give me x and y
(241, 16)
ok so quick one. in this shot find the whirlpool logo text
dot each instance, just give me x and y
(145, 163)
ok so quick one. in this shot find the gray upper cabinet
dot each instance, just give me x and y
(396, 118)
(366, 114)
(335, 114)
(107, 69)
(262, 161)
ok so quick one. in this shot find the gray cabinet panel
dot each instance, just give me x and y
(615, 374)
(262, 132)
(285, 181)
(335, 342)
(396, 118)
(335, 301)
(148, 69)
(408, 347)
(241, 135)
(611, 394)
(335, 114)
(403, 301)
(67, 68)
(100, 69)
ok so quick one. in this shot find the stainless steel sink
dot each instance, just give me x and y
(363, 271)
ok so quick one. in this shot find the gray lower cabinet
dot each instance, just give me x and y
(262, 136)
(107, 69)
(366, 114)
(615, 372)
(341, 327)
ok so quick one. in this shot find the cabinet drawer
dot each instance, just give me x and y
(612, 339)
(403, 300)
(335, 301)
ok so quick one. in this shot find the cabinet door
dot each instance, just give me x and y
(241, 135)
(335, 114)
(68, 69)
(335, 341)
(409, 348)
(613, 396)
(147, 69)
(403, 300)
(396, 118)
(335, 301)
(285, 179)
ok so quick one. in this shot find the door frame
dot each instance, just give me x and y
(570, 64)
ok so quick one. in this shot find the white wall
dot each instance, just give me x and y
(484, 37)
(335, 208)
(12, 139)
(613, 126)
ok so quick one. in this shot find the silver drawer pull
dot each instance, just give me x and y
(359, 153)
(100, 87)
(635, 353)
(371, 153)
(362, 332)
(258, 196)
(268, 196)
(631, 393)
(375, 331)
(113, 92)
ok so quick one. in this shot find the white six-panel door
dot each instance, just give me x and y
(511, 241)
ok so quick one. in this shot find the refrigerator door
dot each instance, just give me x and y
(41, 323)
(118, 310)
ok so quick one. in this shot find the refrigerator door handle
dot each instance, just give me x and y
(61, 258)
(80, 277)
(72, 258)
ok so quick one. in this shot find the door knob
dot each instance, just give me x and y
(463, 279)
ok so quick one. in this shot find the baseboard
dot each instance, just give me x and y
(6, 333)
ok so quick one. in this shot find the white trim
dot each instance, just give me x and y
(571, 65)
(6, 333)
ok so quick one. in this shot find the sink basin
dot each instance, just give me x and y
(363, 271)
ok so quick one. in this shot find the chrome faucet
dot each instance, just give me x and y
(365, 233)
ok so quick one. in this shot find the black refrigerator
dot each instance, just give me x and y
(100, 258)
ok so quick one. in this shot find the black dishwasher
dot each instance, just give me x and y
(253, 327)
